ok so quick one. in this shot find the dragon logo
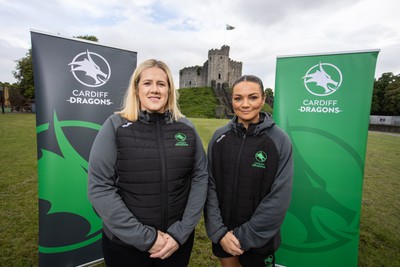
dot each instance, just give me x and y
(269, 260)
(323, 79)
(261, 156)
(180, 137)
(90, 69)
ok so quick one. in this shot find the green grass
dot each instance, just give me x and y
(380, 217)
(198, 102)
(18, 190)
(380, 212)
(206, 128)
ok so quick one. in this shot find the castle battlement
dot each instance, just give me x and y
(224, 51)
(192, 67)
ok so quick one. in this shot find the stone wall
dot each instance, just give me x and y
(192, 77)
(219, 69)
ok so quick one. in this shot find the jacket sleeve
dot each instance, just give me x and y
(268, 217)
(180, 230)
(215, 227)
(104, 197)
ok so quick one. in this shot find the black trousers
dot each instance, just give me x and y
(116, 255)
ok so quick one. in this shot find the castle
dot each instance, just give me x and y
(218, 72)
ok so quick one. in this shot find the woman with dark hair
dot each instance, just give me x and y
(250, 181)
(148, 175)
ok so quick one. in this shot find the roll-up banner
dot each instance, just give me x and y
(323, 102)
(78, 84)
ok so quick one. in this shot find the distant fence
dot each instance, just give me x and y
(384, 123)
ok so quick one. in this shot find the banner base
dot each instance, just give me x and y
(92, 263)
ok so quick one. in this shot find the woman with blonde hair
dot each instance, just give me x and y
(148, 175)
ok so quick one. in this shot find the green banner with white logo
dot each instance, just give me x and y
(323, 102)
(78, 84)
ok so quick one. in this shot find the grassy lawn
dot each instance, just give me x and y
(18, 190)
(380, 212)
(380, 217)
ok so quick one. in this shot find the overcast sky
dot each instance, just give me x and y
(180, 32)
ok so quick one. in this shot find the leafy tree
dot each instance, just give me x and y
(24, 75)
(88, 37)
(375, 105)
(385, 98)
(391, 101)
(16, 97)
(378, 106)
(269, 97)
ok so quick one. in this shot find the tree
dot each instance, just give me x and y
(16, 98)
(269, 97)
(88, 37)
(24, 75)
(391, 101)
(386, 95)
(375, 104)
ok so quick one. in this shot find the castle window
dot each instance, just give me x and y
(219, 76)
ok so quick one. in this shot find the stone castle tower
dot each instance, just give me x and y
(218, 72)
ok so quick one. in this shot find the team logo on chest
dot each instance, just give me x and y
(260, 160)
(180, 139)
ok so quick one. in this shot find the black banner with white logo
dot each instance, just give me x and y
(78, 84)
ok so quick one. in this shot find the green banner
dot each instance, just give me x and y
(323, 102)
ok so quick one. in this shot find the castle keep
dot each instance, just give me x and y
(218, 72)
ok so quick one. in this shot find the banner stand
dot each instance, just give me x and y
(92, 263)
(78, 85)
(323, 102)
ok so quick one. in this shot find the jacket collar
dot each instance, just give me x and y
(254, 128)
(147, 117)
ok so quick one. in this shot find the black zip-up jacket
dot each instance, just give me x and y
(250, 183)
(145, 176)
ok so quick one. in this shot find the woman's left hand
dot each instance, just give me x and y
(170, 247)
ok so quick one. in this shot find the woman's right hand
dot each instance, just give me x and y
(159, 244)
(231, 244)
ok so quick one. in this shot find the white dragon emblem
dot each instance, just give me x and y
(90, 68)
(322, 79)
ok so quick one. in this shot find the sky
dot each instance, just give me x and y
(180, 32)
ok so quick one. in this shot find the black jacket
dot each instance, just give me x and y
(250, 181)
(145, 176)
(154, 168)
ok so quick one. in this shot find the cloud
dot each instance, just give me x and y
(10, 52)
(181, 32)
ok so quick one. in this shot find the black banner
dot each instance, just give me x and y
(78, 84)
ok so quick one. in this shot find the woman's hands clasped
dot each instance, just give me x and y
(164, 246)
(231, 244)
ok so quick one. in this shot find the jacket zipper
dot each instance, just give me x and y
(236, 183)
(164, 185)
